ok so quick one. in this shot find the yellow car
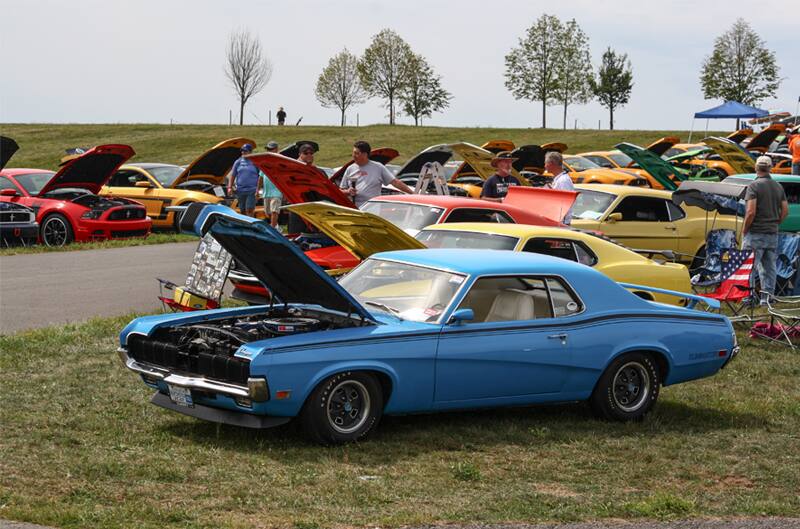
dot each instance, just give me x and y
(159, 185)
(647, 219)
(363, 234)
(619, 160)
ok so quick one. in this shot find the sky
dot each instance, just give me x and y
(148, 61)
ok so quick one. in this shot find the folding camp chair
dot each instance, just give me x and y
(786, 280)
(717, 243)
(784, 320)
(735, 291)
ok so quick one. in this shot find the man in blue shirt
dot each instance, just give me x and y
(272, 196)
(246, 179)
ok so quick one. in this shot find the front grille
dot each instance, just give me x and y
(169, 356)
(16, 216)
(128, 233)
(133, 213)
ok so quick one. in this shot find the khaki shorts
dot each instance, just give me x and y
(271, 205)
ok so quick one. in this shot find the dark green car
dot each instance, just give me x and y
(791, 185)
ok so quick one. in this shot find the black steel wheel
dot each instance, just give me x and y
(343, 408)
(628, 388)
(56, 230)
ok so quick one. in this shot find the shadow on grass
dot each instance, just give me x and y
(400, 437)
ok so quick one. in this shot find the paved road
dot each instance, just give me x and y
(37, 290)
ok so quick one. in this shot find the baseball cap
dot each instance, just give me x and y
(271, 144)
(764, 162)
(306, 147)
(247, 147)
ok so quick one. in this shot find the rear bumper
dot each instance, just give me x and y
(208, 413)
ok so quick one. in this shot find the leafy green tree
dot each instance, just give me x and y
(740, 68)
(614, 82)
(423, 94)
(338, 85)
(572, 67)
(530, 67)
(384, 67)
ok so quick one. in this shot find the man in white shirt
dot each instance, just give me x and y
(554, 164)
(364, 179)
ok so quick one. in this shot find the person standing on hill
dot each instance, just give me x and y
(281, 115)
(766, 208)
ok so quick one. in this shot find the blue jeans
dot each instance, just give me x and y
(796, 168)
(765, 257)
(247, 201)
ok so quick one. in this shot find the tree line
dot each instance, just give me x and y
(551, 65)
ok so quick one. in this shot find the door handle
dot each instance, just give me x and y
(562, 337)
(673, 228)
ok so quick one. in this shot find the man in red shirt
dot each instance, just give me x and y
(794, 149)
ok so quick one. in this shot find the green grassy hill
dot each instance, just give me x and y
(42, 145)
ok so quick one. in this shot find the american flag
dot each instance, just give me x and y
(736, 268)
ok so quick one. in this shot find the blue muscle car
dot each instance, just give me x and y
(415, 331)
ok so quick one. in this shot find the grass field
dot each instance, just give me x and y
(41, 146)
(153, 238)
(82, 447)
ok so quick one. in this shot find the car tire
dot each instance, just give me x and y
(56, 231)
(344, 408)
(627, 389)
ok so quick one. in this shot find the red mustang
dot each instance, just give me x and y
(301, 183)
(66, 204)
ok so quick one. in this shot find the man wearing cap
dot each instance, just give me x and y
(554, 164)
(295, 223)
(365, 178)
(766, 209)
(794, 149)
(496, 186)
(271, 195)
(244, 176)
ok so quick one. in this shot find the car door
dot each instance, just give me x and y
(512, 349)
(644, 223)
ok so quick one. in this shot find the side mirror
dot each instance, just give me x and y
(461, 316)
(143, 183)
(614, 217)
(9, 193)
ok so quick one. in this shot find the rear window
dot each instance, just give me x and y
(479, 215)
(466, 239)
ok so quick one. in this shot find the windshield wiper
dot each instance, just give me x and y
(387, 308)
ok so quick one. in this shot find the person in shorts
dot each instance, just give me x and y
(273, 198)
(245, 177)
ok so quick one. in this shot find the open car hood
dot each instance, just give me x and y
(550, 203)
(739, 135)
(277, 262)
(659, 147)
(359, 232)
(554, 146)
(214, 164)
(299, 182)
(529, 158)
(658, 168)
(480, 160)
(7, 149)
(293, 150)
(382, 155)
(91, 170)
(495, 146)
(761, 141)
(732, 153)
(434, 153)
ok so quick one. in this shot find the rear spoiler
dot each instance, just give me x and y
(691, 299)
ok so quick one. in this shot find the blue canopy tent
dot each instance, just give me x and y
(728, 110)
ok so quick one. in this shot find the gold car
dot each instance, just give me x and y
(647, 219)
(159, 185)
(364, 234)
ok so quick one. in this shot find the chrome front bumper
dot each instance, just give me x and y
(255, 390)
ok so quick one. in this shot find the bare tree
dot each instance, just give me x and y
(339, 85)
(247, 68)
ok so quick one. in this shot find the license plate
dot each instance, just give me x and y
(180, 396)
(219, 191)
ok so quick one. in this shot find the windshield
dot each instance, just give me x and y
(579, 163)
(621, 159)
(591, 204)
(407, 291)
(34, 182)
(165, 174)
(408, 217)
(466, 239)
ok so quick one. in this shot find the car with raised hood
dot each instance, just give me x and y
(300, 183)
(741, 161)
(17, 222)
(647, 219)
(364, 234)
(66, 203)
(160, 186)
(619, 160)
(415, 331)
